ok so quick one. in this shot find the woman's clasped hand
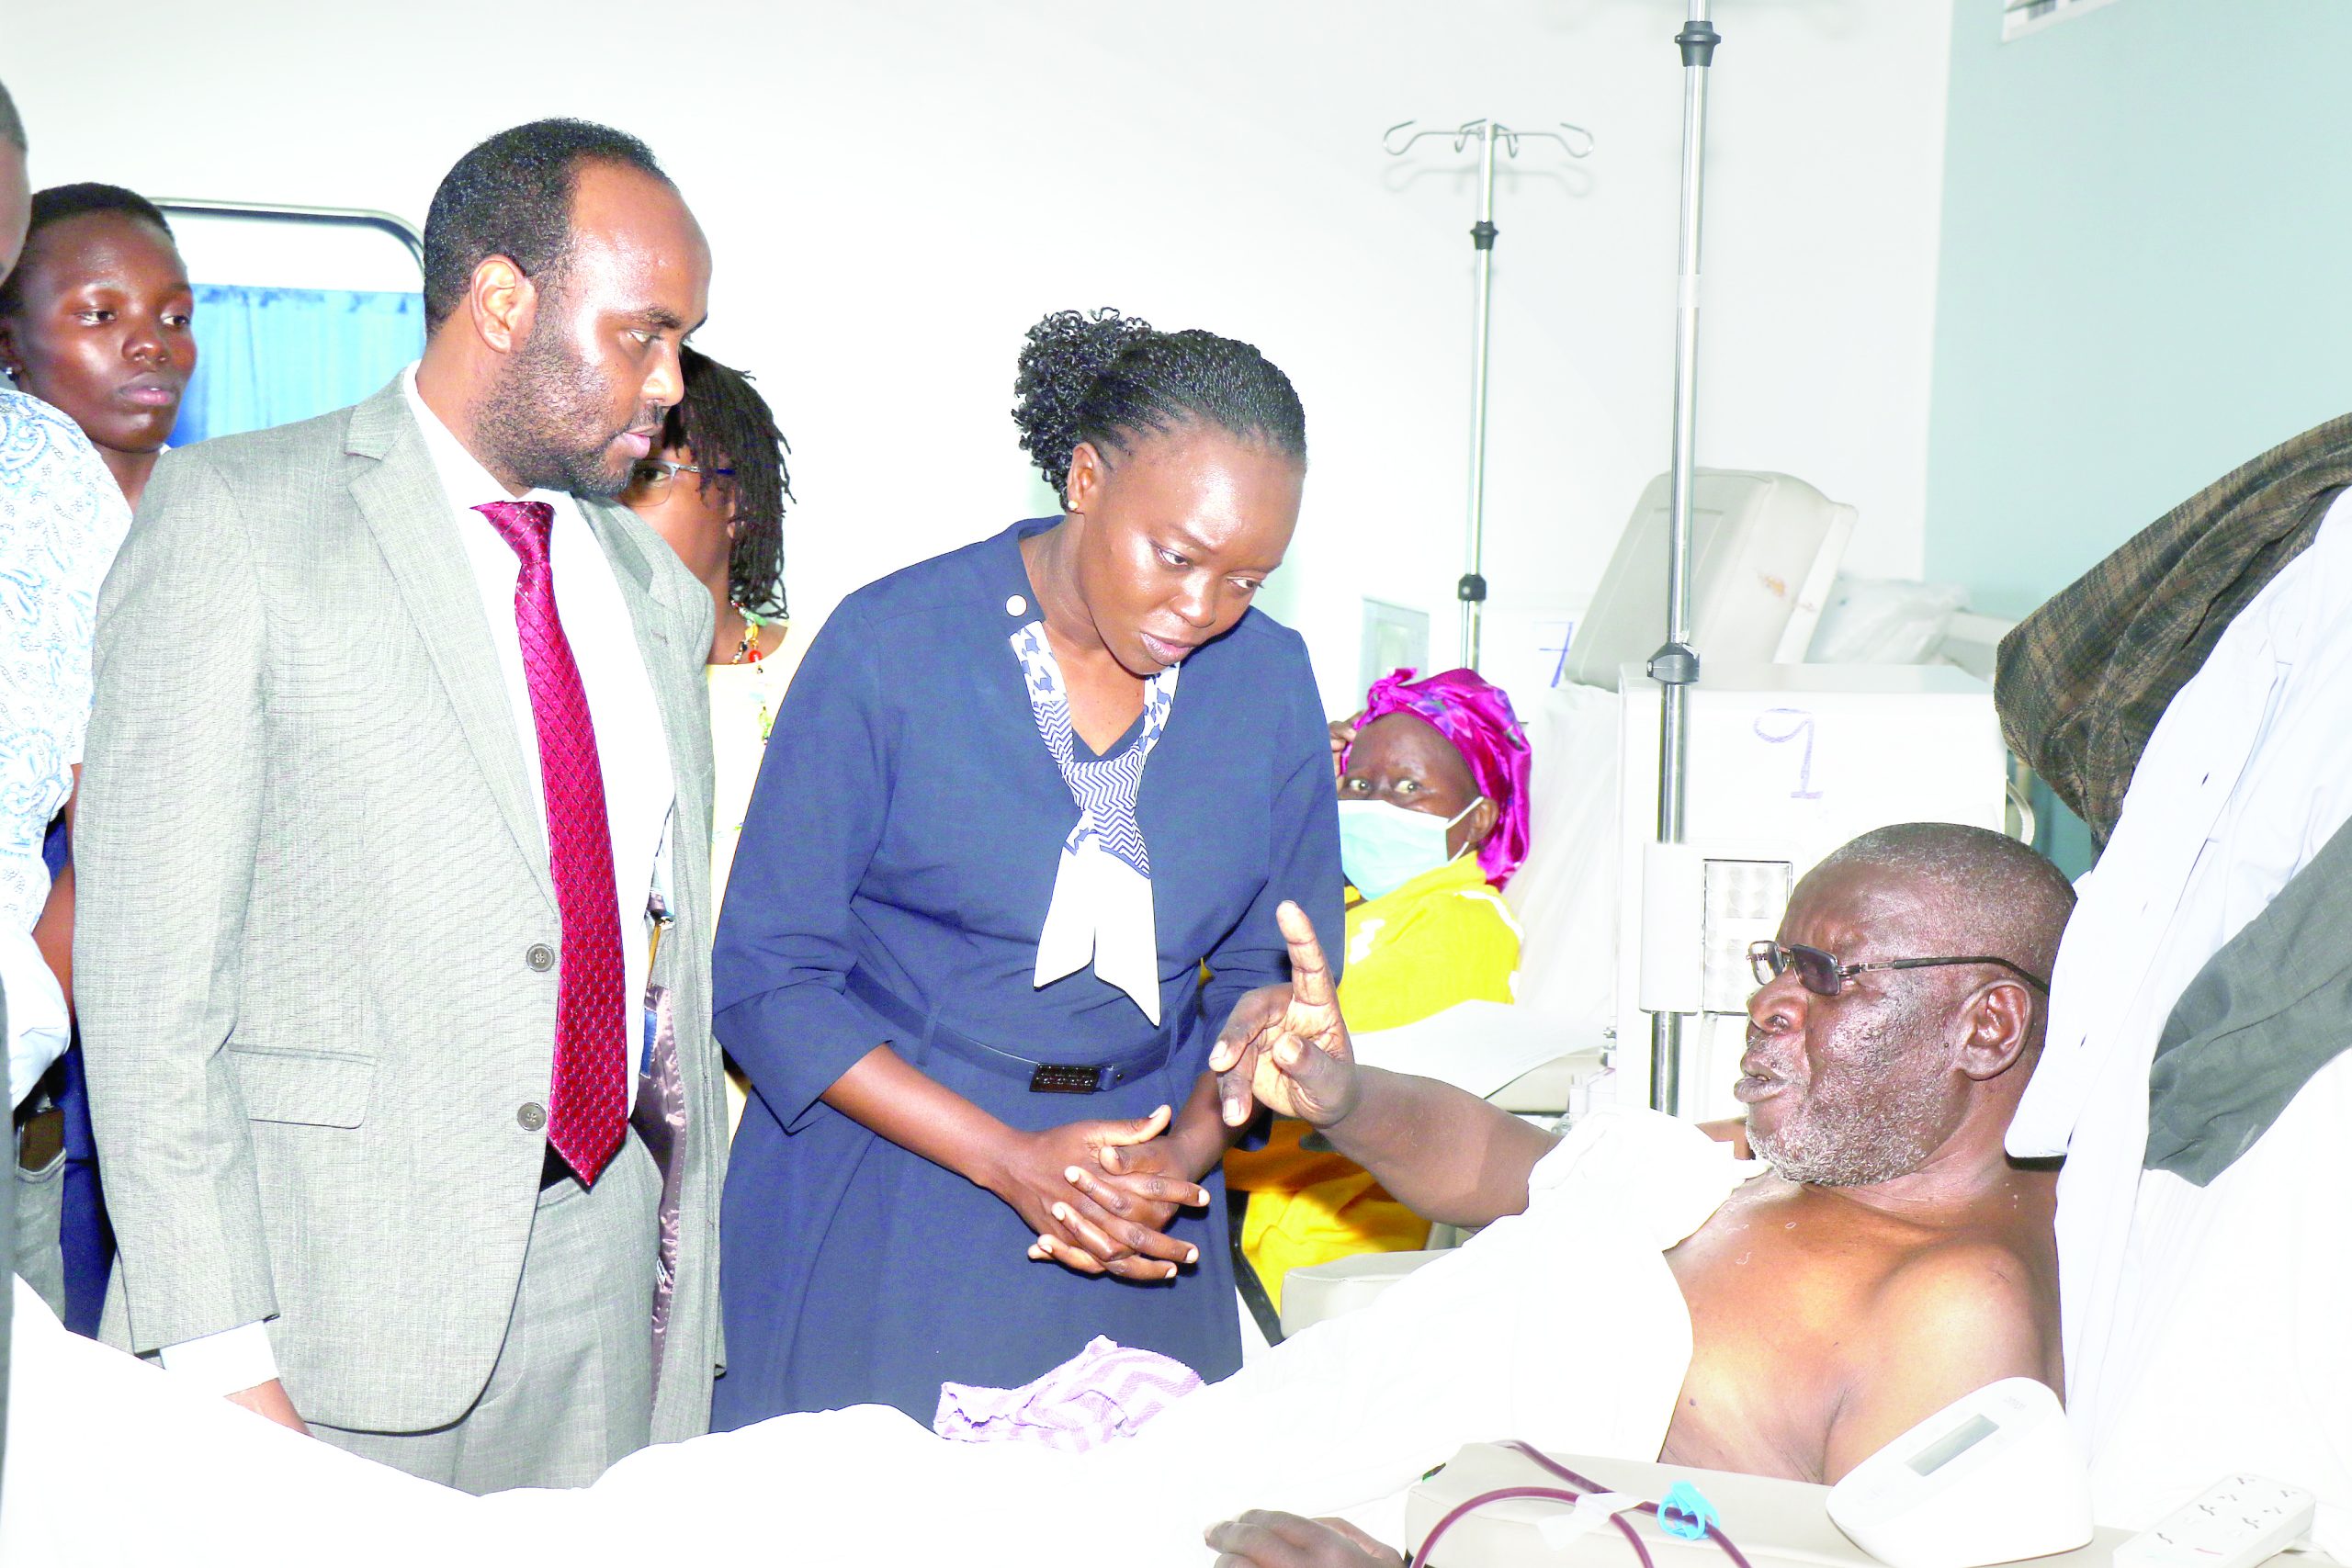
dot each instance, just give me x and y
(1100, 1195)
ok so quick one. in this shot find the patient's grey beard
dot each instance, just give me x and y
(1873, 1118)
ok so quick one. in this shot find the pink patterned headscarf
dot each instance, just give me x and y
(1476, 716)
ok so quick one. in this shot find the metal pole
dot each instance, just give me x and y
(1676, 665)
(1472, 589)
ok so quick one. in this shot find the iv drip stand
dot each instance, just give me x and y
(1577, 141)
(1675, 666)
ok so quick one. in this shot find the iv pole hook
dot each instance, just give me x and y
(1577, 141)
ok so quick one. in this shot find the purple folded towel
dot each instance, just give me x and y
(1104, 1392)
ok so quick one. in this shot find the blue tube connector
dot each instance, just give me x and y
(1686, 1513)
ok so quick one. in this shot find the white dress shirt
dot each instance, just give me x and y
(2204, 1327)
(632, 747)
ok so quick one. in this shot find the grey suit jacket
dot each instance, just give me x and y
(310, 870)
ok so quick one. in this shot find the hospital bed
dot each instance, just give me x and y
(1774, 1523)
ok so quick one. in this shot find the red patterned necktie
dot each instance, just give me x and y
(588, 1101)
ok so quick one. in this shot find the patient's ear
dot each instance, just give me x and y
(1479, 826)
(1999, 1017)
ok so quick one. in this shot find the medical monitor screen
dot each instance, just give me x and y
(1952, 1444)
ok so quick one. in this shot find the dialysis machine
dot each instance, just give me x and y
(1785, 761)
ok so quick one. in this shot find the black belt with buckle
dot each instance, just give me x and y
(1048, 1078)
(1044, 1078)
(1063, 1077)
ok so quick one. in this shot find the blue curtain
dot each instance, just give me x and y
(270, 357)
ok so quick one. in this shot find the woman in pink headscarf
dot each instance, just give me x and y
(1432, 823)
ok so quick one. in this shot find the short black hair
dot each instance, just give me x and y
(1105, 379)
(59, 203)
(12, 124)
(727, 424)
(511, 196)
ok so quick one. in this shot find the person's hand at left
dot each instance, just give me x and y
(1146, 1183)
(1139, 1183)
(1031, 1173)
(1263, 1538)
(1125, 1188)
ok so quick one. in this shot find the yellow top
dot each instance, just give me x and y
(744, 699)
(1444, 937)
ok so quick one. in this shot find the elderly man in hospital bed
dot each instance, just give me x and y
(1639, 1290)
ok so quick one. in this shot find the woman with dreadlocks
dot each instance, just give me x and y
(715, 493)
(994, 842)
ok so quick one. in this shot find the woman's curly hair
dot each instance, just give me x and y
(724, 422)
(1105, 379)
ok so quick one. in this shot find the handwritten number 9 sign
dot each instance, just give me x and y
(1792, 727)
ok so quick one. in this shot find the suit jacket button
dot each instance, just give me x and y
(541, 957)
(532, 1116)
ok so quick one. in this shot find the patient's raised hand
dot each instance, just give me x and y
(1286, 1047)
(1262, 1539)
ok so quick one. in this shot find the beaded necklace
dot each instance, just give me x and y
(748, 652)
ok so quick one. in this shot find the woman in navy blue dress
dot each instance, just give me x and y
(1017, 796)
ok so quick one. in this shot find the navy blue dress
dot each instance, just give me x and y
(890, 884)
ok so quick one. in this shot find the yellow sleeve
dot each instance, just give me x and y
(1454, 946)
(1337, 1218)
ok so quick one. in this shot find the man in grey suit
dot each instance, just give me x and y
(394, 856)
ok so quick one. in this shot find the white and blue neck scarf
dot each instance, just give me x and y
(1101, 905)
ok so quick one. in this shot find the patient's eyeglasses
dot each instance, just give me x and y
(1821, 974)
(650, 477)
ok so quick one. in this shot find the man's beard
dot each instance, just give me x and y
(1870, 1120)
(546, 421)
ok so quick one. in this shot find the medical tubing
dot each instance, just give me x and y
(1544, 1461)
(1504, 1495)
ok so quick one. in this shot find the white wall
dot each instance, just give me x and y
(896, 188)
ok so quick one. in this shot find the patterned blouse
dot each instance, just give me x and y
(61, 519)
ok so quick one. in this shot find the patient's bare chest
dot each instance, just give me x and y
(1775, 1303)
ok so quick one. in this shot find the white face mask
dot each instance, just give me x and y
(1383, 846)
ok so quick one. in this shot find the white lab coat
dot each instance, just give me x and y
(2207, 1329)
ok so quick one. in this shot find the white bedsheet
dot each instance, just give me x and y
(1562, 1326)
